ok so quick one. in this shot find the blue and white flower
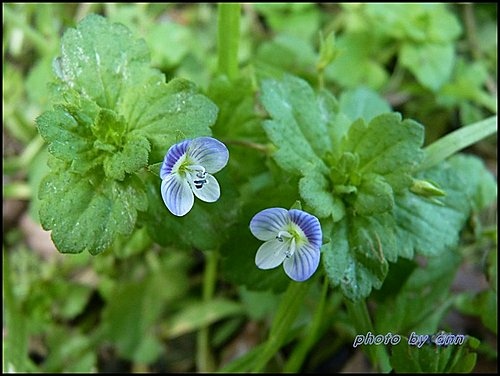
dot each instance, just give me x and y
(187, 172)
(292, 237)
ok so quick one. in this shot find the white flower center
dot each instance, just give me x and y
(294, 236)
(196, 174)
(282, 234)
(290, 240)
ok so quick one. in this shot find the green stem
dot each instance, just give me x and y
(84, 9)
(15, 339)
(23, 161)
(298, 356)
(321, 79)
(456, 141)
(18, 191)
(204, 358)
(488, 101)
(228, 38)
(264, 148)
(471, 31)
(359, 315)
(290, 306)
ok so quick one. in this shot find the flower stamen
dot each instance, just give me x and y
(198, 169)
(282, 234)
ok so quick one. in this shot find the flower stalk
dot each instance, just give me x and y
(291, 303)
(228, 38)
(358, 313)
(204, 358)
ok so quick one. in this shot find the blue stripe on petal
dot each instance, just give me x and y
(209, 153)
(173, 155)
(271, 254)
(309, 224)
(266, 224)
(177, 195)
(303, 263)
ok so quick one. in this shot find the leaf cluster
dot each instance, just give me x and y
(114, 115)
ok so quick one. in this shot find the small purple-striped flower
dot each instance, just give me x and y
(187, 172)
(292, 237)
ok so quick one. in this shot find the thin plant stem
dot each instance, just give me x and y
(204, 357)
(290, 306)
(264, 148)
(298, 356)
(473, 41)
(359, 315)
(228, 38)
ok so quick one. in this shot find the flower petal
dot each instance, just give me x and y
(173, 155)
(271, 254)
(309, 224)
(177, 195)
(209, 192)
(266, 224)
(303, 263)
(209, 153)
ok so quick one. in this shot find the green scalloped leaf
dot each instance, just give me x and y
(86, 213)
(297, 128)
(357, 256)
